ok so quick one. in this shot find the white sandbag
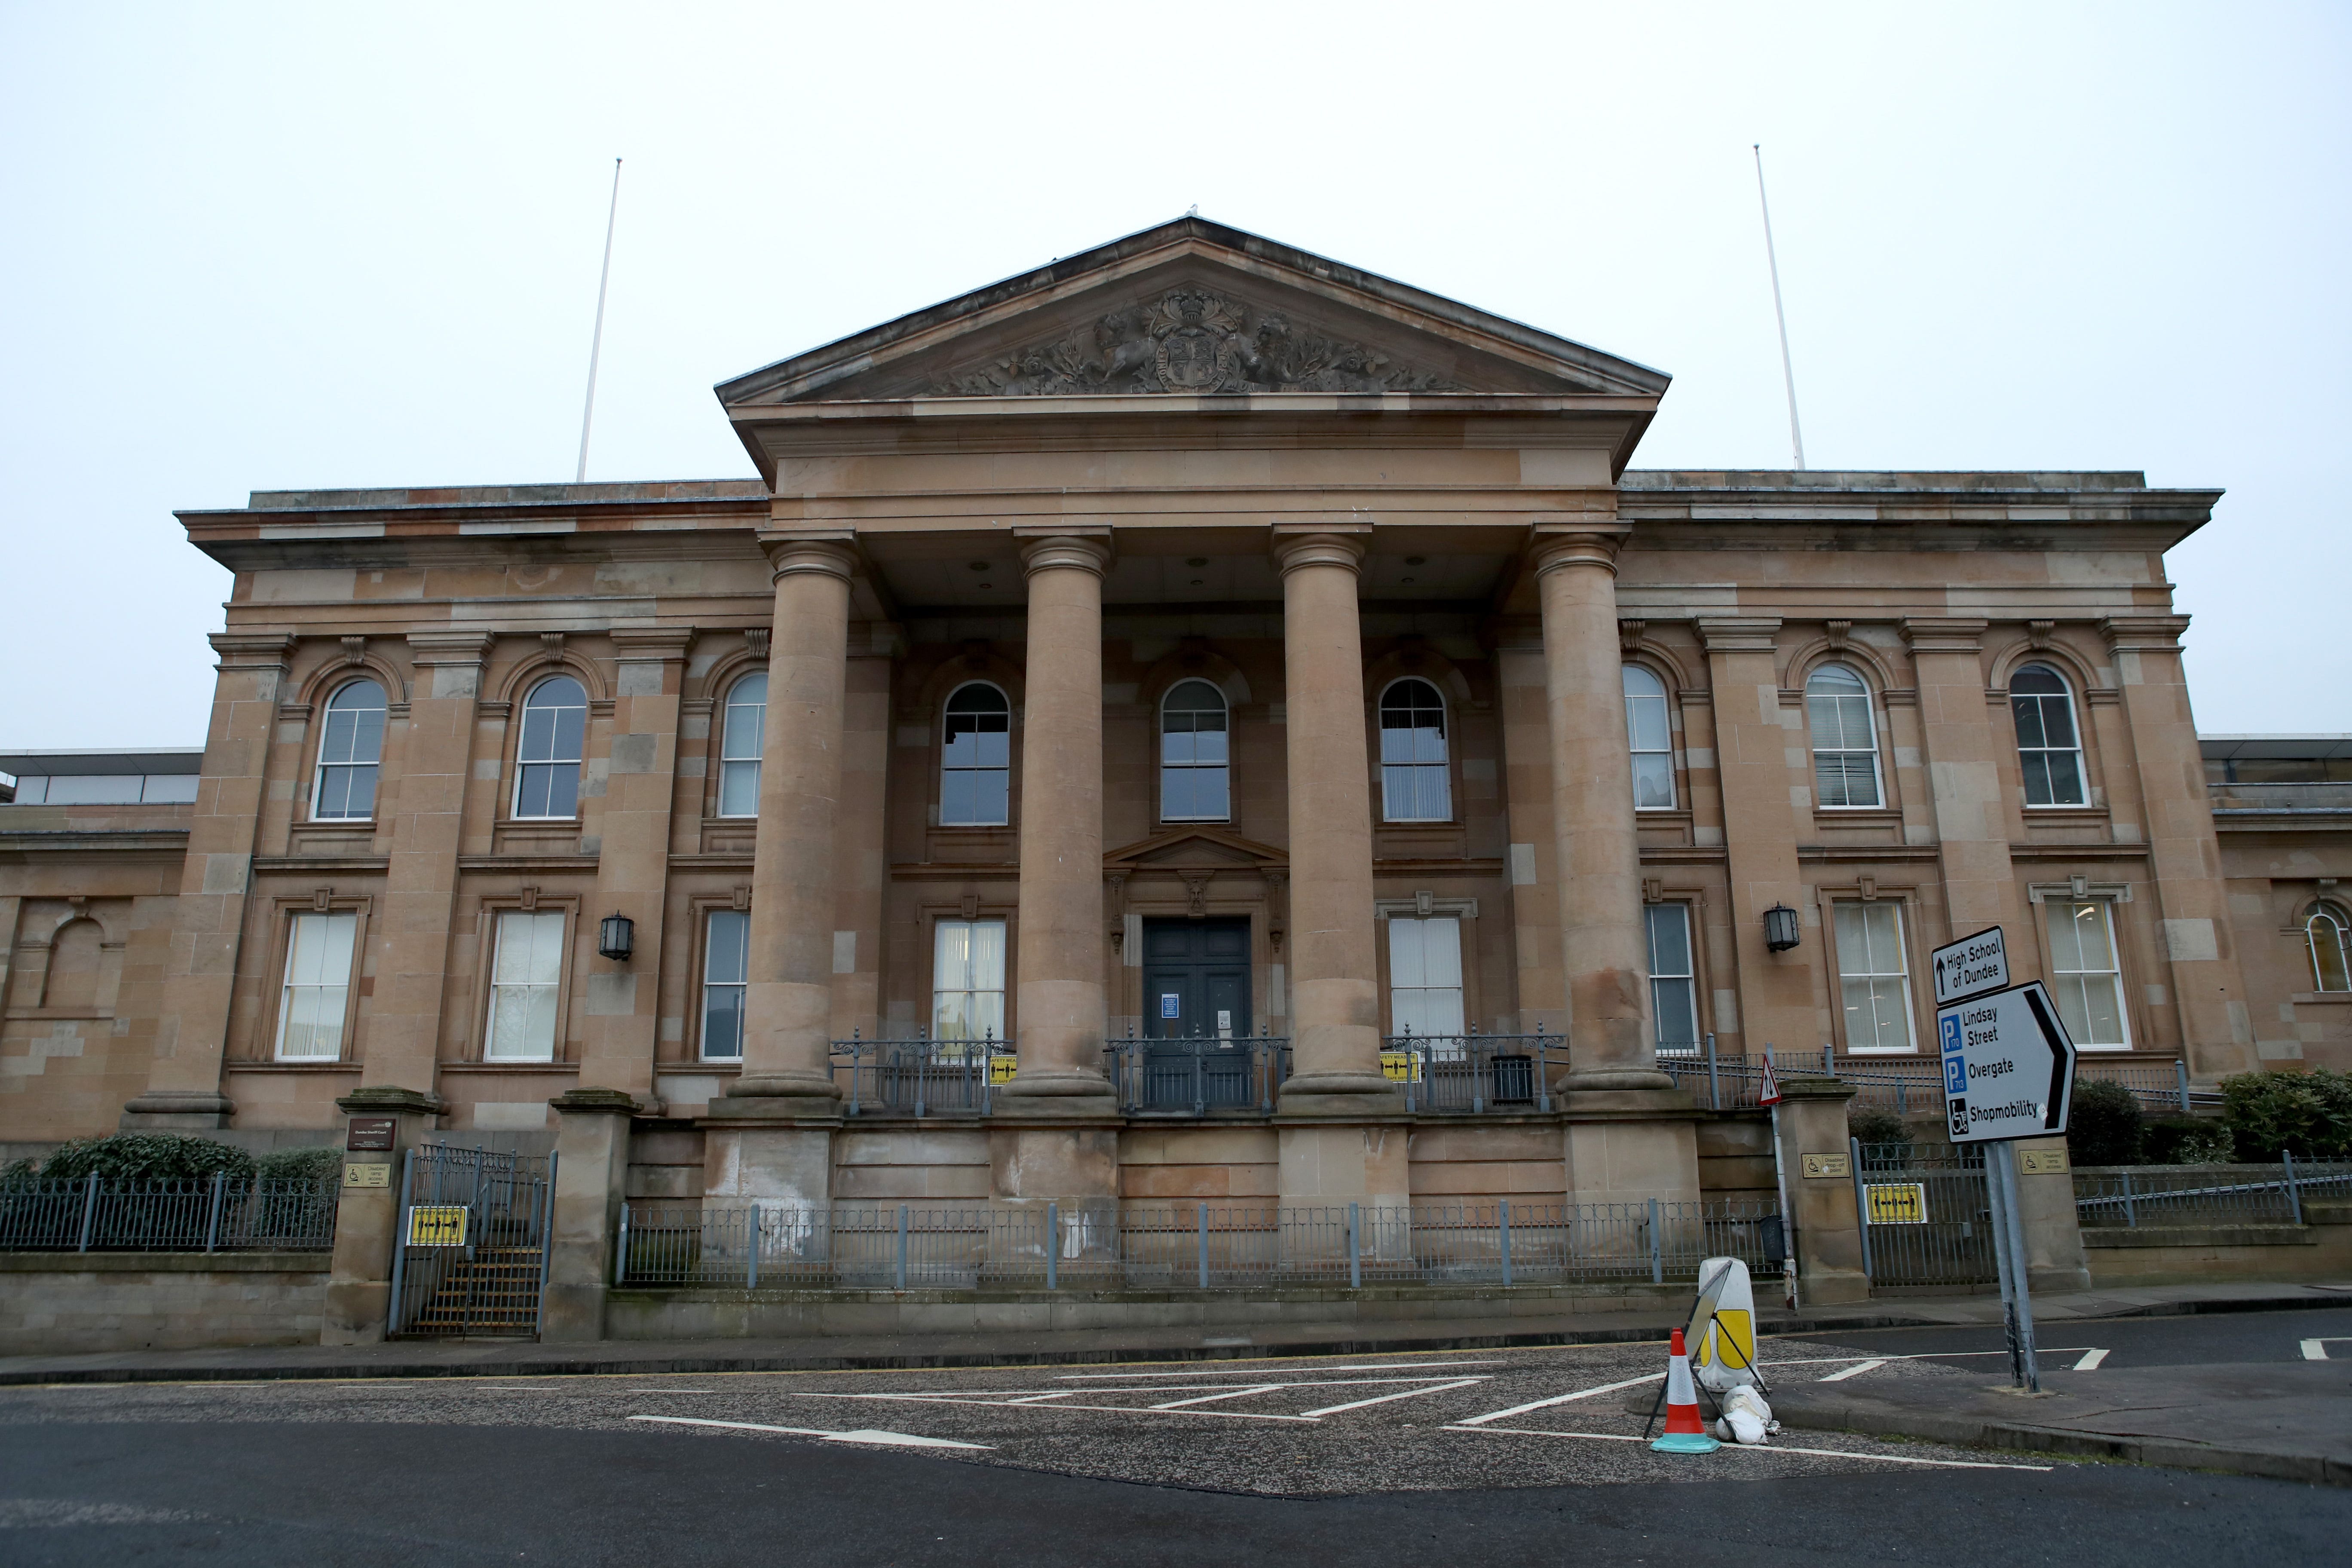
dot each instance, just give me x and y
(1746, 1418)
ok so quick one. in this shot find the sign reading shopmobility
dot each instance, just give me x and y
(2009, 1067)
(1972, 965)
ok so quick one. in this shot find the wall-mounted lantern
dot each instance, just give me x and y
(1780, 928)
(615, 937)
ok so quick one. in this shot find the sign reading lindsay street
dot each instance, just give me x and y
(1973, 963)
(2009, 1067)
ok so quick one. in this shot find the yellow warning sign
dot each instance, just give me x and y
(436, 1224)
(1400, 1067)
(1001, 1069)
(1897, 1203)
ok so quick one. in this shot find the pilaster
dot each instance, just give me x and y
(1964, 775)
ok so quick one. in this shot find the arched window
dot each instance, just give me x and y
(976, 762)
(554, 726)
(1652, 740)
(1194, 785)
(1415, 784)
(349, 748)
(741, 738)
(2331, 961)
(2049, 748)
(1845, 739)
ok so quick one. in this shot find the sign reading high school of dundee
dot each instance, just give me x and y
(2009, 1067)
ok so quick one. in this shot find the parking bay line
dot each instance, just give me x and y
(1757, 1448)
(1560, 1399)
(1244, 1371)
(1384, 1398)
(1023, 1404)
(867, 1437)
(1856, 1370)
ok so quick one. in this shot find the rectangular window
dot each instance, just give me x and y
(2085, 976)
(1674, 981)
(968, 981)
(526, 968)
(725, 947)
(317, 988)
(1425, 977)
(1875, 981)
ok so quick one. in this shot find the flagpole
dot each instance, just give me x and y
(596, 343)
(1788, 371)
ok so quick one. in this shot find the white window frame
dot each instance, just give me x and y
(949, 770)
(546, 926)
(524, 764)
(1664, 980)
(735, 988)
(2063, 698)
(981, 1011)
(1224, 769)
(2336, 923)
(739, 750)
(337, 931)
(1426, 1006)
(1876, 977)
(1665, 733)
(1869, 727)
(1412, 776)
(2060, 980)
(329, 764)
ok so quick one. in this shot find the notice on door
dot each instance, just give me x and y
(1170, 1002)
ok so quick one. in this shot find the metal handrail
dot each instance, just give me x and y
(1473, 1074)
(920, 1076)
(1197, 1074)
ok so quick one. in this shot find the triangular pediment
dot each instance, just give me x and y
(1195, 849)
(1199, 309)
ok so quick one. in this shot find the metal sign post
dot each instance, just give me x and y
(2009, 1073)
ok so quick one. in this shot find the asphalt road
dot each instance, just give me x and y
(2199, 1340)
(1495, 1456)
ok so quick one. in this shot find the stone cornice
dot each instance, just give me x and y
(1940, 634)
(449, 648)
(2143, 634)
(1737, 634)
(646, 643)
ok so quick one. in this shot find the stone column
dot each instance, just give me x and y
(861, 861)
(183, 1084)
(1335, 1005)
(620, 1002)
(1599, 856)
(592, 1170)
(1760, 751)
(402, 1022)
(367, 1217)
(1965, 778)
(1535, 844)
(2216, 1030)
(1060, 1012)
(1828, 1227)
(770, 1136)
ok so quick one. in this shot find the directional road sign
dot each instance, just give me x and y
(2009, 1067)
(1968, 966)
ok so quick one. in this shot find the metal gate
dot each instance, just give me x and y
(1926, 1217)
(470, 1259)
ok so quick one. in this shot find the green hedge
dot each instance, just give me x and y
(166, 1156)
(2307, 1114)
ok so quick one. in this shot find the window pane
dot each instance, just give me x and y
(747, 713)
(2330, 970)
(2066, 778)
(992, 792)
(2091, 937)
(1676, 1004)
(723, 956)
(739, 789)
(562, 791)
(2028, 720)
(1404, 954)
(1647, 725)
(1654, 782)
(2058, 721)
(722, 1022)
(1669, 939)
(958, 797)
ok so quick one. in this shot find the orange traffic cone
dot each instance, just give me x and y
(1685, 1433)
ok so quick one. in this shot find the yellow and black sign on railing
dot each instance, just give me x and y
(1400, 1067)
(1897, 1203)
(436, 1224)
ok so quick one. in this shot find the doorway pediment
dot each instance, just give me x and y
(1195, 849)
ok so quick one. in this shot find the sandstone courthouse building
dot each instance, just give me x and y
(1194, 721)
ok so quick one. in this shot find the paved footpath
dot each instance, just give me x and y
(497, 1358)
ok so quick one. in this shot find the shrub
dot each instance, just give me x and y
(2308, 1114)
(2104, 1127)
(1870, 1124)
(146, 1156)
(299, 1164)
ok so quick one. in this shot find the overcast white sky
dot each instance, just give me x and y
(253, 247)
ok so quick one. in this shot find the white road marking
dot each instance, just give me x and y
(1223, 1394)
(2090, 1362)
(1856, 1370)
(1561, 1399)
(867, 1435)
(1023, 1404)
(632, 1392)
(1248, 1371)
(2316, 1349)
(1384, 1398)
(1759, 1449)
(1917, 1356)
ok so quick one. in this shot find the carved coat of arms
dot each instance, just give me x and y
(1189, 341)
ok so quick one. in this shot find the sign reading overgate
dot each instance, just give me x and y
(2009, 1067)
